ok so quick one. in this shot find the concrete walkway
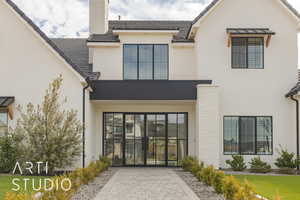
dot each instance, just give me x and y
(146, 184)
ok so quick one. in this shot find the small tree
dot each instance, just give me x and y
(51, 134)
(237, 163)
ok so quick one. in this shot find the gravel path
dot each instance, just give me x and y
(202, 191)
(88, 192)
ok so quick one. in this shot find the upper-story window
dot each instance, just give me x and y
(3, 121)
(248, 52)
(145, 61)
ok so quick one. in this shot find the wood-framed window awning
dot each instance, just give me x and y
(6, 103)
(250, 32)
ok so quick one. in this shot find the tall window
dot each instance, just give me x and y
(145, 62)
(3, 122)
(248, 135)
(248, 52)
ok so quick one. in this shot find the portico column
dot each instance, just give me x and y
(208, 124)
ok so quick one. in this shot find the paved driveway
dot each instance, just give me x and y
(146, 184)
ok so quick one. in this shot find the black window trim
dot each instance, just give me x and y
(153, 78)
(255, 143)
(247, 65)
(4, 110)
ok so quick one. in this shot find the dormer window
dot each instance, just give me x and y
(247, 52)
(145, 62)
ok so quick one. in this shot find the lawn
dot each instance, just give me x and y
(6, 184)
(288, 187)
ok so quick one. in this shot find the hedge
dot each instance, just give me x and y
(228, 186)
(78, 177)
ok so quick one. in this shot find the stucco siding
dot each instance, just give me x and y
(252, 92)
(28, 66)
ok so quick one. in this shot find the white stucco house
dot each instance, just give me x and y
(157, 91)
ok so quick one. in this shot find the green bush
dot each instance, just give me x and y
(218, 181)
(237, 163)
(77, 177)
(231, 187)
(287, 161)
(207, 175)
(246, 192)
(10, 151)
(259, 166)
(189, 162)
(196, 168)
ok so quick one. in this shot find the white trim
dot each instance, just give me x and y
(81, 79)
(292, 14)
(146, 31)
(183, 45)
(103, 44)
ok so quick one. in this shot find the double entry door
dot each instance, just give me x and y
(151, 139)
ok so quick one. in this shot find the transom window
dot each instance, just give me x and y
(145, 61)
(248, 135)
(3, 122)
(247, 52)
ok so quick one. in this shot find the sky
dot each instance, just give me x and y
(69, 18)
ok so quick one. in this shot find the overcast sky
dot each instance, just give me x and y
(69, 18)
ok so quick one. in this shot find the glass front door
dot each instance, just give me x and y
(135, 139)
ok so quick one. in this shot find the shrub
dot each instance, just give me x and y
(197, 168)
(259, 166)
(287, 161)
(189, 162)
(218, 181)
(245, 192)
(77, 177)
(231, 187)
(207, 175)
(8, 154)
(237, 163)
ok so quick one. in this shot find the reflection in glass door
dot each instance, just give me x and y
(133, 139)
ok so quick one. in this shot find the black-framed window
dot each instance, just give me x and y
(247, 52)
(248, 135)
(145, 61)
(3, 121)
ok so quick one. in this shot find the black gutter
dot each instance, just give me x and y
(83, 121)
(297, 125)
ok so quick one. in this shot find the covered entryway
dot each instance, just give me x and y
(145, 139)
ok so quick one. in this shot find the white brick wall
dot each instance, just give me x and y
(208, 124)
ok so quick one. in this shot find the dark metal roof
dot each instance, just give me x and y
(45, 38)
(145, 89)
(294, 90)
(6, 101)
(240, 31)
(181, 26)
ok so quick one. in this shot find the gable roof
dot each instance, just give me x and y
(45, 38)
(77, 50)
(182, 27)
(214, 2)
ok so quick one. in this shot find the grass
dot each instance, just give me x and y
(6, 184)
(288, 187)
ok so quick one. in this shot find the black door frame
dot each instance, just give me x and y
(144, 140)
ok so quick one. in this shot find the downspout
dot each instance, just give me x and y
(83, 121)
(297, 125)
